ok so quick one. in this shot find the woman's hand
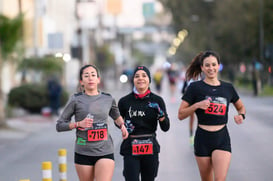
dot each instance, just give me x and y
(124, 132)
(241, 110)
(204, 104)
(85, 123)
(155, 106)
(120, 123)
(238, 119)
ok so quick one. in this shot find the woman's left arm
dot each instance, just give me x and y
(164, 121)
(241, 111)
(120, 122)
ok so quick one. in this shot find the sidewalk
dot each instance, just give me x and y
(19, 128)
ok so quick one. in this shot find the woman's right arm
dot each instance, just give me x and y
(186, 110)
(64, 121)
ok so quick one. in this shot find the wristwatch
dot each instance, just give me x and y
(243, 115)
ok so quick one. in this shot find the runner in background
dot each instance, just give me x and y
(192, 116)
(181, 79)
(172, 77)
(158, 77)
(55, 91)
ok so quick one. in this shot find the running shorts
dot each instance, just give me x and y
(205, 142)
(90, 160)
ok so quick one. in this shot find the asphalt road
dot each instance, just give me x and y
(24, 148)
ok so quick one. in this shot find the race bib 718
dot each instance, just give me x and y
(97, 133)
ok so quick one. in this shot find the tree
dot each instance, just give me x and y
(48, 65)
(104, 57)
(231, 27)
(268, 25)
(197, 17)
(10, 35)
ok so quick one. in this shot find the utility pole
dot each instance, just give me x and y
(261, 30)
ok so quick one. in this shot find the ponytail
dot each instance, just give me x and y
(194, 70)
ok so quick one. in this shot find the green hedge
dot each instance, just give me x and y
(32, 97)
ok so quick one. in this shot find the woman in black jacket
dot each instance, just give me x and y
(142, 110)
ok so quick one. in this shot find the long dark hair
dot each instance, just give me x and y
(194, 70)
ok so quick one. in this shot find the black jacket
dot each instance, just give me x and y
(140, 118)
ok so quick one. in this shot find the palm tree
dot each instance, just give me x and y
(10, 35)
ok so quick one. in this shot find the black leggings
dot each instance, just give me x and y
(205, 142)
(146, 166)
